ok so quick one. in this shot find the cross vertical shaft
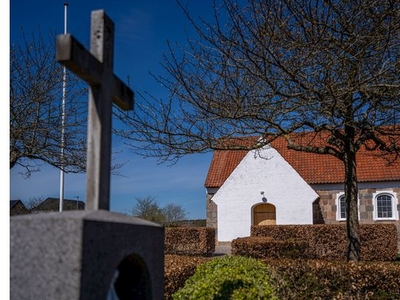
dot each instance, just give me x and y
(98, 166)
(96, 68)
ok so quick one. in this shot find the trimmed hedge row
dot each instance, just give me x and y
(328, 241)
(190, 241)
(263, 247)
(305, 279)
(316, 279)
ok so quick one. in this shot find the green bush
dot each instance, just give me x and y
(177, 269)
(228, 277)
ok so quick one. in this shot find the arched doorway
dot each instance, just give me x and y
(264, 214)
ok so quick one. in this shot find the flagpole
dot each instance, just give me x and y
(64, 86)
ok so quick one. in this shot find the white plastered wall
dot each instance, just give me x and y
(262, 171)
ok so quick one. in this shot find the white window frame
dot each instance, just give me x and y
(338, 212)
(337, 202)
(395, 201)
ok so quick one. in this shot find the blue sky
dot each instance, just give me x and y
(142, 28)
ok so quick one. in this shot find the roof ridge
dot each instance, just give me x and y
(314, 168)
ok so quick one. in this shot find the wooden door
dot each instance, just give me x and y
(264, 214)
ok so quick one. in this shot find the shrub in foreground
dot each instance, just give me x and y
(228, 277)
(303, 279)
(177, 269)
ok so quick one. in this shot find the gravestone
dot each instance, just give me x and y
(87, 254)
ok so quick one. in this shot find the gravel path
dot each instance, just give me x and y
(222, 249)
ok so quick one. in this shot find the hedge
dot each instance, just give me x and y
(329, 241)
(263, 247)
(190, 241)
(317, 279)
(306, 279)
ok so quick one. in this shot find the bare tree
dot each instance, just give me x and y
(282, 68)
(36, 106)
(148, 208)
(173, 213)
(36, 86)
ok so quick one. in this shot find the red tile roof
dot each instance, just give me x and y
(313, 168)
(225, 161)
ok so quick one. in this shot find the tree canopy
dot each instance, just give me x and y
(36, 109)
(149, 209)
(278, 67)
(36, 84)
(273, 68)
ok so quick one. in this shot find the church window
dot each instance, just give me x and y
(341, 207)
(385, 206)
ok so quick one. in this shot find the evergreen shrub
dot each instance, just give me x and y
(228, 277)
(177, 269)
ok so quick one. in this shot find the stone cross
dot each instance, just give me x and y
(93, 252)
(96, 68)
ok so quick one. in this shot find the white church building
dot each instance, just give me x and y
(278, 186)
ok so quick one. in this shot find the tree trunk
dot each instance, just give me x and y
(351, 194)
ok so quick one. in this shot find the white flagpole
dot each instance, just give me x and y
(64, 85)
